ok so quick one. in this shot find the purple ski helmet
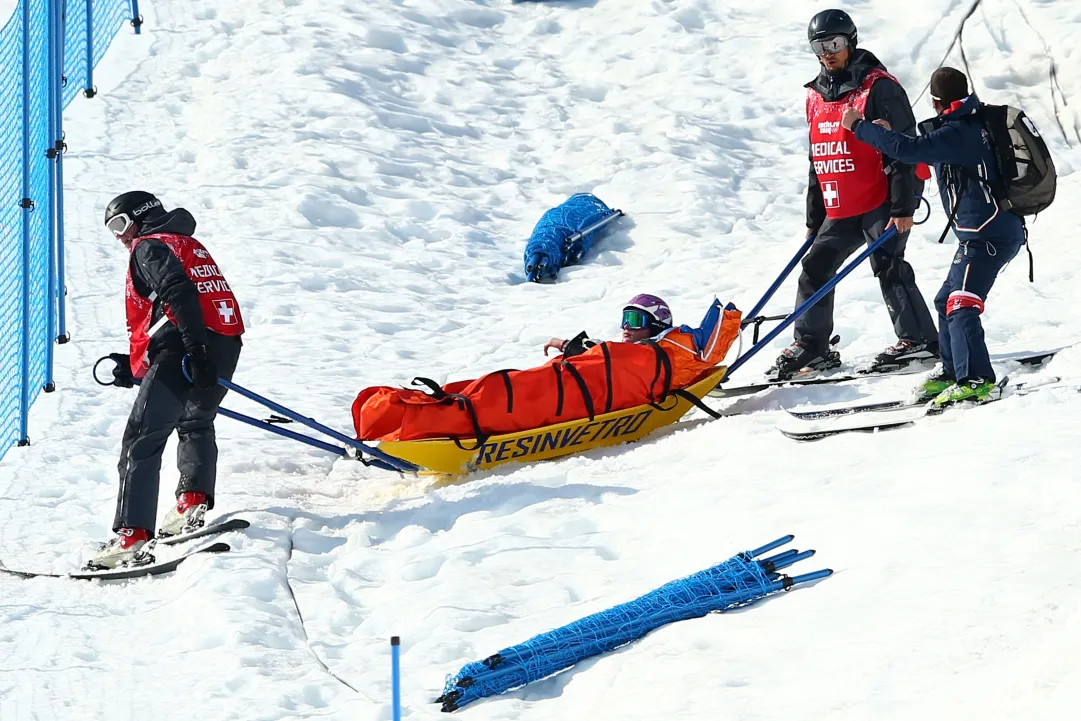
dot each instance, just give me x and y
(657, 311)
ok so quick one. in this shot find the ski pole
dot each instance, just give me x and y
(782, 277)
(807, 304)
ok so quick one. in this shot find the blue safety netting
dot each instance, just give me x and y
(35, 85)
(11, 260)
(564, 234)
(738, 581)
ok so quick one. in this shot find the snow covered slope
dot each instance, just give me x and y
(366, 175)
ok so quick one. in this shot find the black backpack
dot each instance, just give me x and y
(1027, 176)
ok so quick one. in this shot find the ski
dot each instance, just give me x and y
(810, 379)
(868, 422)
(897, 417)
(233, 524)
(820, 378)
(818, 413)
(125, 573)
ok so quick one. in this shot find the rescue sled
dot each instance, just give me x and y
(461, 456)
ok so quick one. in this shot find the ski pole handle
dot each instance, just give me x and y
(94, 372)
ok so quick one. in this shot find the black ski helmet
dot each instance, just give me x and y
(829, 23)
(138, 205)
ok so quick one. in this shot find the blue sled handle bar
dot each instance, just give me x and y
(822, 292)
(381, 459)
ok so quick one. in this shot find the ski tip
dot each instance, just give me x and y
(219, 547)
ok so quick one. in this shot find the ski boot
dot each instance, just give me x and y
(901, 354)
(186, 516)
(128, 548)
(798, 360)
(935, 384)
(975, 390)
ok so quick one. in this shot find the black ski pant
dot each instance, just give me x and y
(836, 241)
(168, 402)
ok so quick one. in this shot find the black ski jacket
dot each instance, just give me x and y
(886, 101)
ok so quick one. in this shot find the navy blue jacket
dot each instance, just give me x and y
(958, 147)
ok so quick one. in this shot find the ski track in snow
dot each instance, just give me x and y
(366, 174)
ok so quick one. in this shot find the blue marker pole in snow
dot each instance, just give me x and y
(882, 240)
(395, 678)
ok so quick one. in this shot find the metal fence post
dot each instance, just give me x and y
(53, 73)
(136, 18)
(26, 204)
(59, 18)
(88, 86)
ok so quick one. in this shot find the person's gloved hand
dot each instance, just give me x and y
(201, 368)
(122, 376)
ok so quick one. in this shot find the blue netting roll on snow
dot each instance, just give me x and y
(738, 581)
(564, 234)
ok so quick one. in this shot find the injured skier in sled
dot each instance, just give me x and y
(590, 378)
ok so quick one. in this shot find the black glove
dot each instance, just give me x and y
(201, 368)
(578, 345)
(122, 376)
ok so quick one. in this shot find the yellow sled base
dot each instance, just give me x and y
(447, 456)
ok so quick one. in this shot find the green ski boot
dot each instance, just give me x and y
(933, 386)
(977, 390)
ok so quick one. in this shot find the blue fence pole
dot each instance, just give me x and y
(88, 86)
(136, 19)
(54, 71)
(882, 240)
(58, 149)
(395, 678)
(781, 278)
(26, 204)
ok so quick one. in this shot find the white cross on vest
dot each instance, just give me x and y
(226, 311)
(830, 194)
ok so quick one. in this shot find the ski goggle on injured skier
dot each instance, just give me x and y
(829, 46)
(119, 224)
(635, 320)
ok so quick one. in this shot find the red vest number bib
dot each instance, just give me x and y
(849, 172)
(221, 312)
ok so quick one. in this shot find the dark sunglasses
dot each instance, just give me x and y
(635, 320)
(829, 46)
